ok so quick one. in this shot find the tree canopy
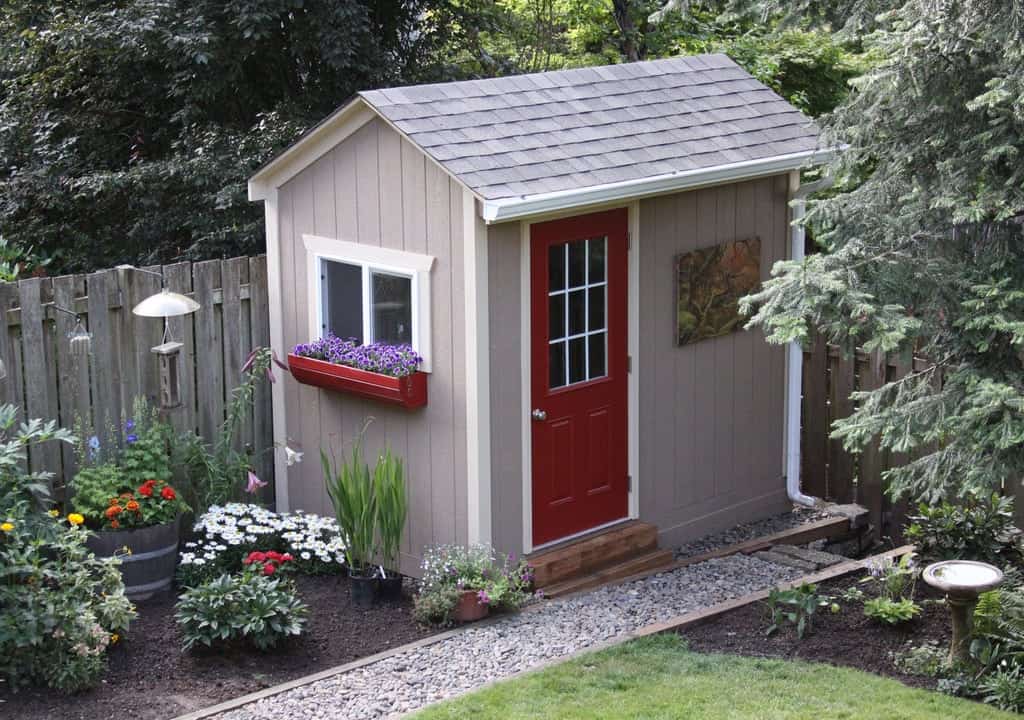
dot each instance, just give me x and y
(923, 242)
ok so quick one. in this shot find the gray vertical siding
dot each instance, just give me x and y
(711, 413)
(504, 303)
(377, 189)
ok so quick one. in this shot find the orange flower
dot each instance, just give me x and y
(114, 524)
(131, 505)
(113, 501)
(113, 511)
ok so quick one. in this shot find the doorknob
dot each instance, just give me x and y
(539, 414)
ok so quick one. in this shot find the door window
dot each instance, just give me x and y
(577, 312)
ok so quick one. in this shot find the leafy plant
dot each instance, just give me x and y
(437, 606)
(797, 606)
(979, 527)
(392, 507)
(350, 489)
(894, 580)
(891, 611)
(62, 606)
(108, 502)
(1004, 688)
(926, 660)
(252, 606)
(146, 452)
(217, 470)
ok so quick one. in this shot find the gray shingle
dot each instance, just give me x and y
(570, 129)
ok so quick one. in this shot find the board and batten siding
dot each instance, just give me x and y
(376, 188)
(711, 414)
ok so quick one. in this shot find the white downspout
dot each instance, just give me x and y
(795, 353)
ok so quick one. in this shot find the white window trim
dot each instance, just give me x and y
(371, 258)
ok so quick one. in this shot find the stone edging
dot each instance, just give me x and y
(674, 624)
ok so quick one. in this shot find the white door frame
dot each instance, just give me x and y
(632, 349)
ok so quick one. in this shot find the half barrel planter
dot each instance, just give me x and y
(149, 569)
(409, 391)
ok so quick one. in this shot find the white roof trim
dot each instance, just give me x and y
(310, 147)
(496, 211)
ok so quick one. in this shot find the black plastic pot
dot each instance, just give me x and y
(364, 590)
(391, 587)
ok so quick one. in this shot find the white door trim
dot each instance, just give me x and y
(632, 349)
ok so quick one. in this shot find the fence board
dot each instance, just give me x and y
(815, 434)
(841, 466)
(45, 380)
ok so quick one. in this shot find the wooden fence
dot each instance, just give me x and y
(828, 470)
(46, 380)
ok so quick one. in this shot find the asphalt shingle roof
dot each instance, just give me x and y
(525, 135)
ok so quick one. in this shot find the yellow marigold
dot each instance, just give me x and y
(75, 519)
(53, 513)
(7, 526)
(114, 638)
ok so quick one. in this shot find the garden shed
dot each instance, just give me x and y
(565, 250)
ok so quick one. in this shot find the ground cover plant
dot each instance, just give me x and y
(658, 678)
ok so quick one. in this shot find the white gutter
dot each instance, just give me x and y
(795, 355)
(495, 211)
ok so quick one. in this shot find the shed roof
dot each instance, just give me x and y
(552, 132)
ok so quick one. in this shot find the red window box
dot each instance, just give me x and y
(409, 391)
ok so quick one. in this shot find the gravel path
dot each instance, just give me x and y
(479, 655)
(748, 531)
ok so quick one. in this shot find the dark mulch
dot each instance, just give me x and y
(848, 638)
(150, 678)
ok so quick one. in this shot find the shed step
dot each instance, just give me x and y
(588, 555)
(648, 562)
(816, 557)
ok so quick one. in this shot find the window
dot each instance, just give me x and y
(369, 293)
(577, 312)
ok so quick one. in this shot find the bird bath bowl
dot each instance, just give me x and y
(962, 581)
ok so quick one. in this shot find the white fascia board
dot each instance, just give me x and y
(496, 211)
(308, 149)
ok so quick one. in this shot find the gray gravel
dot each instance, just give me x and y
(481, 654)
(799, 515)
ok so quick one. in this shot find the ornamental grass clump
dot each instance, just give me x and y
(257, 606)
(393, 360)
(392, 508)
(350, 488)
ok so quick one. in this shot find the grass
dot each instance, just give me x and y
(657, 678)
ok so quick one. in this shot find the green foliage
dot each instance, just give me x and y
(797, 606)
(978, 527)
(61, 605)
(891, 612)
(128, 129)
(93, 487)
(245, 607)
(217, 471)
(926, 660)
(145, 455)
(392, 506)
(450, 570)
(350, 488)
(894, 579)
(923, 251)
(1004, 688)
(998, 628)
(436, 607)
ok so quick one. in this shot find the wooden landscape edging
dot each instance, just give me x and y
(672, 625)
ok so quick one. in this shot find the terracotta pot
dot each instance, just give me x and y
(154, 555)
(468, 609)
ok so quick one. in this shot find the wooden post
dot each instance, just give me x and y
(870, 490)
(815, 420)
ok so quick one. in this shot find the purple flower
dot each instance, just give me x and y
(129, 425)
(393, 360)
(132, 438)
(482, 598)
(254, 483)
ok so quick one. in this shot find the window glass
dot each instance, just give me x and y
(392, 308)
(577, 312)
(343, 300)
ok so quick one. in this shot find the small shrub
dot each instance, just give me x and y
(436, 607)
(891, 612)
(894, 580)
(979, 528)
(797, 606)
(1004, 688)
(256, 606)
(925, 660)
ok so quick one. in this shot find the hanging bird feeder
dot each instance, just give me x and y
(79, 338)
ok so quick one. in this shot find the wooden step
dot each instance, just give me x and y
(649, 562)
(587, 555)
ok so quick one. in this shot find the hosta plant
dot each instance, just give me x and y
(891, 612)
(256, 606)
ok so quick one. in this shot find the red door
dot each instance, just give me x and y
(579, 386)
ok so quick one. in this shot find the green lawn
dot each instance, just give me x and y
(658, 678)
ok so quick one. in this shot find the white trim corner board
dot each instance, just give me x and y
(277, 390)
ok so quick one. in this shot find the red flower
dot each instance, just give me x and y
(287, 557)
(146, 489)
(114, 524)
(167, 493)
(254, 557)
(274, 555)
(269, 569)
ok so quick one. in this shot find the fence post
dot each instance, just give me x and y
(815, 420)
(870, 490)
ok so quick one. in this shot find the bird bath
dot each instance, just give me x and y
(962, 581)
